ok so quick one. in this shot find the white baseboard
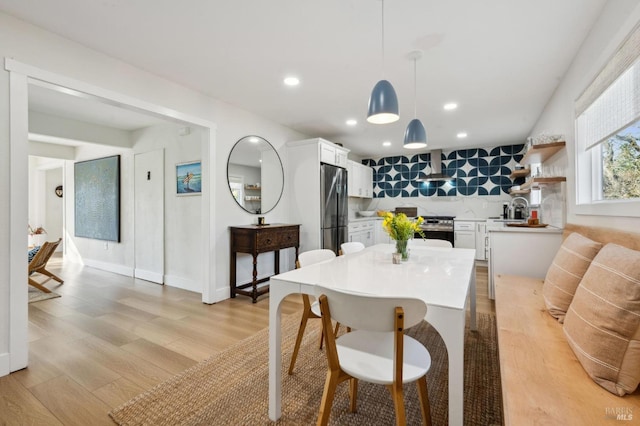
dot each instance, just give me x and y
(5, 364)
(154, 277)
(109, 267)
(183, 283)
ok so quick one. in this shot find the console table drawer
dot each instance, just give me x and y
(254, 239)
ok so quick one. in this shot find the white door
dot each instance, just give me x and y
(149, 216)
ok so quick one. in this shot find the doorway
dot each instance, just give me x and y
(20, 77)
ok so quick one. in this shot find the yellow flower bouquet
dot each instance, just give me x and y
(400, 228)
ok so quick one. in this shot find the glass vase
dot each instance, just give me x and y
(401, 247)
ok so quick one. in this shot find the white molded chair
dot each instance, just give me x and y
(309, 310)
(377, 351)
(352, 247)
(419, 242)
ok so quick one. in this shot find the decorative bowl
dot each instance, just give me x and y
(366, 213)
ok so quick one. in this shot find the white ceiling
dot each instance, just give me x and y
(500, 60)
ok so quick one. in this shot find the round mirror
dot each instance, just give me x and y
(255, 175)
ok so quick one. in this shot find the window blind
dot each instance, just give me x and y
(612, 100)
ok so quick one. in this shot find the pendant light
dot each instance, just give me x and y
(383, 102)
(415, 136)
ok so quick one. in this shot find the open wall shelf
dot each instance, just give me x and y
(540, 153)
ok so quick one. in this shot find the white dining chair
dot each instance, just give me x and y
(419, 242)
(377, 351)
(309, 309)
(351, 247)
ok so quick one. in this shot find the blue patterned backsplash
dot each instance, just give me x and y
(479, 171)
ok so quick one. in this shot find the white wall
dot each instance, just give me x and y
(53, 205)
(182, 227)
(33, 46)
(615, 23)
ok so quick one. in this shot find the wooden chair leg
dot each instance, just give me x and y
(296, 348)
(38, 286)
(327, 397)
(425, 406)
(398, 404)
(335, 331)
(321, 338)
(49, 274)
(353, 394)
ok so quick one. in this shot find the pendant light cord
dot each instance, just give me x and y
(415, 88)
(382, 42)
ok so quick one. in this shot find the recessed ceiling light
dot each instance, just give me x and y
(291, 81)
(386, 143)
(450, 106)
(352, 122)
(461, 135)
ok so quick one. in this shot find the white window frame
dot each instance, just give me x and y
(588, 158)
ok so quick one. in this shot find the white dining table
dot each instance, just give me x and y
(443, 277)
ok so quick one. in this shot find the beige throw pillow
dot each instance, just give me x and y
(566, 271)
(602, 325)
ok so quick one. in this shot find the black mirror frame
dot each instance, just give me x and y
(262, 211)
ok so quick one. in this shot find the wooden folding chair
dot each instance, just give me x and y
(39, 262)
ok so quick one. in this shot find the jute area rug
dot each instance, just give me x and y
(231, 388)
(36, 295)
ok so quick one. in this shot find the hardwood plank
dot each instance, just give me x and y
(197, 351)
(135, 369)
(86, 371)
(118, 392)
(53, 326)
(105, 331)
(145, 329)
(160, 356)
(39, 371)
(18, 406)
(153, 307)
(71, 403)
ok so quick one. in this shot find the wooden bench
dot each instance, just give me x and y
(542, 380)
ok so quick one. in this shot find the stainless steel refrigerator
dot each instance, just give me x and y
(334, 208)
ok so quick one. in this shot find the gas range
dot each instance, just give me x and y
(437, 223)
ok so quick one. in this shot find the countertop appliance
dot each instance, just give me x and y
(334, 206)
(438, 228)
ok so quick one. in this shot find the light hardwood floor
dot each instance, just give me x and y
(110, 337)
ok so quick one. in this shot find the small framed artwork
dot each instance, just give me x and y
(189, 178)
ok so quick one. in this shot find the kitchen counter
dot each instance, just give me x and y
(502, 227)
(363, 219)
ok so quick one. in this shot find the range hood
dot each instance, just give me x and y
(436, 168)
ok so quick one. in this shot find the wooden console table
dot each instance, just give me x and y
(256, 239)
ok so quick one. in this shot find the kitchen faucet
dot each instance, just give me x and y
(519, 201)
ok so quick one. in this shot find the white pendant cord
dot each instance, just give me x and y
(415, 89)
(382, 41)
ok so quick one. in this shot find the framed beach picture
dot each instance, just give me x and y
(189, 178)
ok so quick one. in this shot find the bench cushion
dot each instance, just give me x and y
(602, 325)
(567, 269)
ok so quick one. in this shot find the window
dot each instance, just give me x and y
(608, 136)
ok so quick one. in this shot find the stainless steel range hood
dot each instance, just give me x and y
(436, 168)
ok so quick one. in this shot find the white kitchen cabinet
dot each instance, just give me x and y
(464, 234)
(333, 154)
(363, 232)
(521, 251)
(360, 183)
(380, 236)
(481, 241)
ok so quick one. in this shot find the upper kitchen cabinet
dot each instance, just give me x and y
(333, 154)
(360, 180)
